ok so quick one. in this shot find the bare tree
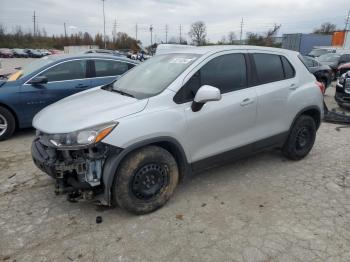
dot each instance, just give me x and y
(198, 33)
(326, 29)
(231, 37)
(270, 34)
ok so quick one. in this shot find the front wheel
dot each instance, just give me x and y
(7, 123)
(301, 138)
(145, 180)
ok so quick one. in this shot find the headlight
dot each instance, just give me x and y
(82, 138)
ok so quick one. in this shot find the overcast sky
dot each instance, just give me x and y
(220, 16)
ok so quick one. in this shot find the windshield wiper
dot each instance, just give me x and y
(122, 93)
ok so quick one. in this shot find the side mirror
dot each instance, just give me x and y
(38, 80)
(205, 94)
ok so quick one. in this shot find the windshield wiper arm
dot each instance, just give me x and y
(122, 93)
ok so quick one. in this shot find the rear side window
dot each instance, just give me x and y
(226, 72)
(269, 68)
(289, 71)
(110, 68)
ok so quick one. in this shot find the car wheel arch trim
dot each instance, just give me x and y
(113, 162)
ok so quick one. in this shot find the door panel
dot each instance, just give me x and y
(276, 81)
(61, 84)
(221, 125)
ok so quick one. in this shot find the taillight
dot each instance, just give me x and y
(321, 86)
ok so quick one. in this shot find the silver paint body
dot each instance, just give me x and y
(237, 119)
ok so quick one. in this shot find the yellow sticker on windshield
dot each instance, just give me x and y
(15, 76)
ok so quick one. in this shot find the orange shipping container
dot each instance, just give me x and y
(338, 38)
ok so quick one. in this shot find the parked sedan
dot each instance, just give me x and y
(335, 60)
(6, 53)
(34, 53)
(50, 79)
(323, 73)
(343, 68)
(19, 53)
(342, 92)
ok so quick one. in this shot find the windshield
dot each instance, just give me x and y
(30, 68)
(329, 58)
(153, 76)
(318, 52)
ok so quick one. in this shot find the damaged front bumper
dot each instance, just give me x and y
(77, 172)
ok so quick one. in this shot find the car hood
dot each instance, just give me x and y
(86, 109)
(331, 64)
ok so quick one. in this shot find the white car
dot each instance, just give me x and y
(131, 142)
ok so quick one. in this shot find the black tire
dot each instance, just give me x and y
(145, 180)
(6, 118)
(301, 138)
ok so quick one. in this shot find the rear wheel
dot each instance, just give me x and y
(145, 180)
(7, 123)
(301, 138)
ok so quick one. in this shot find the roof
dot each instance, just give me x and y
(63, 57)
(202, 50)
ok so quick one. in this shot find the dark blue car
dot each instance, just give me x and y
(50, 79)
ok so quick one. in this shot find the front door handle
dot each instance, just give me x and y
(247, 101)
(81, 86)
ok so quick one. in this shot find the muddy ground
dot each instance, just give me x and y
(263, 208)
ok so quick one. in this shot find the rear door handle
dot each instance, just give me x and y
(247, 101)
(293, 87)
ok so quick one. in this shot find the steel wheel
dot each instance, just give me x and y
(149, 181)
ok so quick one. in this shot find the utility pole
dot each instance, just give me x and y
(114, 31)
(347, 21)
(240, 37)
(180, 34)
(136, 29)
(104, 23)
(166, 34)
(65, 30)
(34, 23)
(151, 30)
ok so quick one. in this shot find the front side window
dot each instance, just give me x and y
(269, 68)
(110, 68)
(66, 71)
(226, 72)
(153, 76)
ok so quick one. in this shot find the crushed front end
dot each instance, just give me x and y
(78, 172)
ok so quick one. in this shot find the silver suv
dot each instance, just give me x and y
(131, 142)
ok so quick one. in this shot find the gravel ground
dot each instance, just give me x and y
(263, 208)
